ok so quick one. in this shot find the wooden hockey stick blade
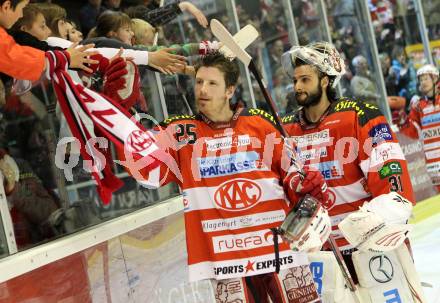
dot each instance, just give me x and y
(244, 37)
(222, 34)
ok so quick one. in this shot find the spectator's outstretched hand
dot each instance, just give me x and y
(166, 62)
(79, 57)
(193, 10)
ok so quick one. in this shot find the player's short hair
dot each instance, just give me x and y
(228, 67)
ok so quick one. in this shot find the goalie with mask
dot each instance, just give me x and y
(352, 145)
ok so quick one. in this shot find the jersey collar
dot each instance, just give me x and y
(306, 124)
(238, 109)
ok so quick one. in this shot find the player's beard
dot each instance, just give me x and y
(311, 99)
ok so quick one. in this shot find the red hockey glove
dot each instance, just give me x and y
(121, 82)
(313, 184)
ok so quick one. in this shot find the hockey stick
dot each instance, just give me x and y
(347, 276)
(244, 37)
(221, 33)
(225, 37)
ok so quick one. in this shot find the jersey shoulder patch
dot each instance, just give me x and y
(291, 117)
(365, 111)
(260, 113)
(176, 118)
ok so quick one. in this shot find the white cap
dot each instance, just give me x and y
(368, 232)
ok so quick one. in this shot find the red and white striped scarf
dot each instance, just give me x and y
(89, 114)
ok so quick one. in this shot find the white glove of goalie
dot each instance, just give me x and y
(379, 225)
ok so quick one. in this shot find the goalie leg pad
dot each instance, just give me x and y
(383, 277)
(328, 278)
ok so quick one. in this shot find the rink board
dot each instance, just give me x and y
(148, 264)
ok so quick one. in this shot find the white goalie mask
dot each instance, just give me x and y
(307, 226)
(323, 55)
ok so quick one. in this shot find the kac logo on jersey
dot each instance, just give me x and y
(380, 132)
(238, 194)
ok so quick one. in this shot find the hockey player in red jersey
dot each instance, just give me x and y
(231, 166)
(349, 141)
(425, 114)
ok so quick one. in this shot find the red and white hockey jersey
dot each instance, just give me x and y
(426, 114)
(357, 153)
(231, 177)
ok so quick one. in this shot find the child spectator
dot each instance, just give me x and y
(73, 34)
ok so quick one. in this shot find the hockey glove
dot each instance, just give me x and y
(313, 184)
(379, 225)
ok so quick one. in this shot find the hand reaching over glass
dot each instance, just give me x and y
(193, 10)
(166, 62)
(80, 57)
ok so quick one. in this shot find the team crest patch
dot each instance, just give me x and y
(380, 133)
